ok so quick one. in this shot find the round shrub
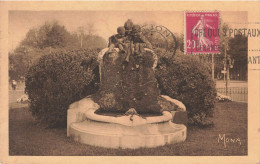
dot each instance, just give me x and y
(187, 79)
(59, 79)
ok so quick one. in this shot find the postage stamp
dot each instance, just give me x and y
(202, 32)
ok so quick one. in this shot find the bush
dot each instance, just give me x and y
(223, 98)
(188, 80)
(59, 79)
(201, 120)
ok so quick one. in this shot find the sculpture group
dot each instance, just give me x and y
(129, 40)
(128, 110)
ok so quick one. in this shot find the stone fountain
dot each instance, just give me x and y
(128, 110)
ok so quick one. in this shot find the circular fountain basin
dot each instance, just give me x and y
(132, 131)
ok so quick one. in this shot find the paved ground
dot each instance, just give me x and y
(20, 86)
(14, 95)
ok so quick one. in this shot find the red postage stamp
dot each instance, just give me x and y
(202, 32)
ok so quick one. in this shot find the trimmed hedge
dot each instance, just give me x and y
(59, 79)
(188, 80)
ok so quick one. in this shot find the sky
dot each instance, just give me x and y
(105, 22)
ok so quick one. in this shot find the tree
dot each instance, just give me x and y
(91, 28)
(180, 42)
(89, 40)
(94, 42)
(31, 38)
(81, 34)
(238, 51)
(57, 36)
(49, 37)
(219, 58)
(19, 63)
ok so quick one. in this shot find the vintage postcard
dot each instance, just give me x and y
(130, 81)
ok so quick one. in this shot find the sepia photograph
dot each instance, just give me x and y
(123, 82)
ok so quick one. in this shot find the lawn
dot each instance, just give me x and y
(26, 138)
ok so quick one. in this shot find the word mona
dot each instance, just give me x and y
(226, 140)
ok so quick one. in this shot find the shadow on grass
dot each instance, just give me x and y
(26, 138)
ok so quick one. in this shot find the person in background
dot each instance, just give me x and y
(14, 84)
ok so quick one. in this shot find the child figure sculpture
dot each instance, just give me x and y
(138, 42)
(129, 40)
(117, 40)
